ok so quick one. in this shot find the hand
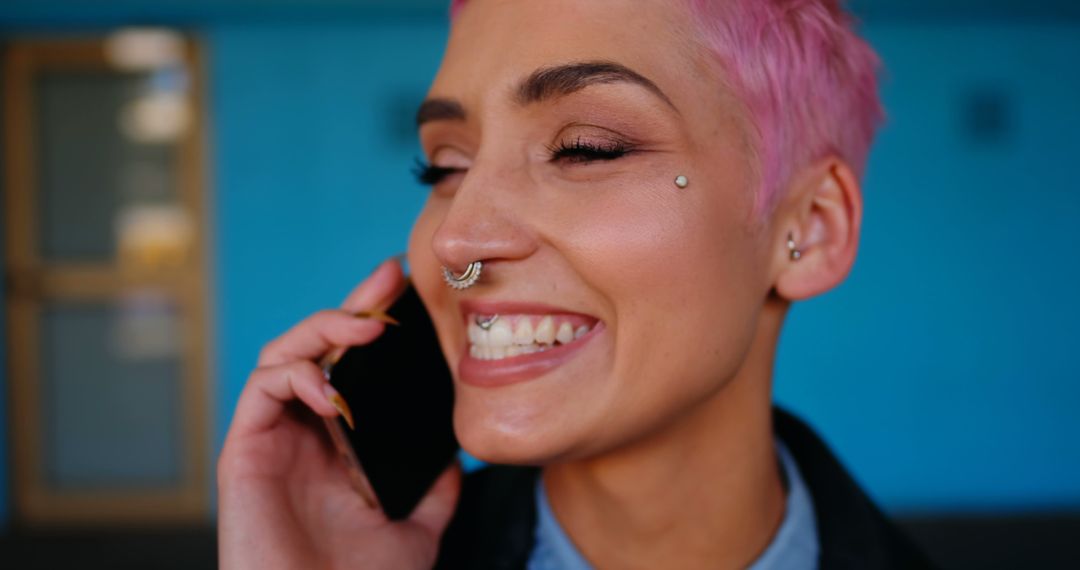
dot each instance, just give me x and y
(285, 500)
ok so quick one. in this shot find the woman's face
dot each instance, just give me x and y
(562, 182)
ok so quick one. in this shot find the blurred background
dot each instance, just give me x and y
(184, 179)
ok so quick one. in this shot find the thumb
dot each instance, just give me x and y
(435, 509)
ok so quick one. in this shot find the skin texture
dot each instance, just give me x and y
(656, 436)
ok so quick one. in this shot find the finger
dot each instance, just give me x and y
(327, 330)
(269, 389)
(379, 289)
(435, 509)
(317, 334)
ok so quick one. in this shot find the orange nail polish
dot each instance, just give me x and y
(342, 407)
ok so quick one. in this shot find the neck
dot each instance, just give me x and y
(703, 492)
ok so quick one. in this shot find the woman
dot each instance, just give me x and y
(665, 177)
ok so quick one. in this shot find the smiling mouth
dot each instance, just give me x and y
(499, 336)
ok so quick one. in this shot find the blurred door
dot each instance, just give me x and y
(105, 280)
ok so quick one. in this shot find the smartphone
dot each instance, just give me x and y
(401, 394)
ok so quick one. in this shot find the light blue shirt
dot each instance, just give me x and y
(794, 547)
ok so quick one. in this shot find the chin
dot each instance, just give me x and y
(513, 435)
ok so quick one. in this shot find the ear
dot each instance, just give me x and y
(823, 214)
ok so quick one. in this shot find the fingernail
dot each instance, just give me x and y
(376, 315)
(338, 402)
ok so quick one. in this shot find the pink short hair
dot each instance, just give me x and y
(807, 81)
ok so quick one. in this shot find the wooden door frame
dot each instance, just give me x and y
(30, 280)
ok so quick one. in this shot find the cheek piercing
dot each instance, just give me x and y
(466, 279)
(682, 181)
(794, 252)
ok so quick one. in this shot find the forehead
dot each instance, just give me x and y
(494, 44)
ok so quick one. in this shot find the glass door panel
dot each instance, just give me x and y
(106, 281)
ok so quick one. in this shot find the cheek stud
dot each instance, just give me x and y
(682, 181)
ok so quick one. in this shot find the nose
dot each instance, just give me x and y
(485, 222)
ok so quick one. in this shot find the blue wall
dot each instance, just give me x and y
(314, 145)
(939, 371)
(944, 370)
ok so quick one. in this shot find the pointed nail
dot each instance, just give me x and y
(376, 315)
(339, 403)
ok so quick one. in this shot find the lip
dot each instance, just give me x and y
(525, 367)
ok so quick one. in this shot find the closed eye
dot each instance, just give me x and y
(580, 151)
(430, 174)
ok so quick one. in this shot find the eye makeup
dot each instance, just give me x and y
(581, 150)
(596, 133)
(577, 151)
(429, 174)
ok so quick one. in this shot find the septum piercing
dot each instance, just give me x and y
(794, 252)
(466, 279)
(486, 322)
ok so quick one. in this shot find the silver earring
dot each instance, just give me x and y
(466, 279)
(682, 181)
(793, 250)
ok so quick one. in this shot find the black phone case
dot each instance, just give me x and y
(401, 394)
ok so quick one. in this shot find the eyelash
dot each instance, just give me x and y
(430, 175)
(580, 151)
(576, 152)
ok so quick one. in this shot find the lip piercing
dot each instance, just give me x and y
(682, 181)
(466, 279)
(794, 252)
(486, 322)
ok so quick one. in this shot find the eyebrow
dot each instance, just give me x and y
(561, 80)
(546, 84)
(439, 110)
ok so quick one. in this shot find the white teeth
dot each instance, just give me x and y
(523, 334)
(506, 340)
(501, 334)
(565, 334)
(545, 331)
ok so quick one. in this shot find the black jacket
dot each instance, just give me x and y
(495, 518)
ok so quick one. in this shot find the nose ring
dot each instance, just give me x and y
(466, 279)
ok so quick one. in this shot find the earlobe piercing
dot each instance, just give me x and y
(794, 252)
(682, 181)
(466, 279)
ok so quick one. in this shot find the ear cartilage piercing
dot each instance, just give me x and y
(795, 252)
(682, 181)
(466, 279)
(486, 322)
